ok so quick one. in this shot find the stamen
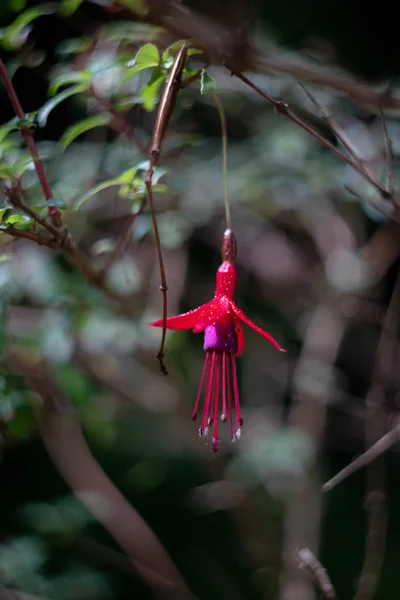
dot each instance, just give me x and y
(224, 359)
(207, 397)
(215, 442)
(229, 399)
(196, 404)
(239, 420)
(215, 445)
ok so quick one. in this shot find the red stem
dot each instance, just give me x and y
(26, 133)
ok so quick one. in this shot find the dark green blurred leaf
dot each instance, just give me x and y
(74, 46)
(46, 109)
(95, 190)
(15, 34)
(17, 5)
(82, 77)
(68, 7)
(81, 127)
(137, 6)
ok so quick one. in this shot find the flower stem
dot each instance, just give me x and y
(222, 117)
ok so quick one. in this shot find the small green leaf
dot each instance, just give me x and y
(95, 190)
(148, 56)
(7, 171)
(193, 51)
(46, 109)
(150, 91)
(20, 221)
(137, 6)
(207, 83)
(68, 7)
(81, 127)
(82, 77)
(160, 188)
(74, 46)
(131, 31)
(15, 34)
(4, 212)
(127, 176)
(58, 202)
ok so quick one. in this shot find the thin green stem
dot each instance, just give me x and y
(222, 117)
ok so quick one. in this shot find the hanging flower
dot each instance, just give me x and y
(221, 320)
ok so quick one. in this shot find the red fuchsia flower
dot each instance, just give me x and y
(221, 320)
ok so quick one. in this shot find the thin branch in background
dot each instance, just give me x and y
(381, 446)
(308, 413)
(28, 235)
(389, 154)
(376, 471)
(326, 115)
(63, 438)
(26, 133)
(122, 242)
(282, 108)
(167, 104)
(311, 564)
(118, 122)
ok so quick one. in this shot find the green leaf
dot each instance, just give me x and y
(127, 176)
(137, 6)
(207, 83)
(74, 46)
(82, 77)
(150, 92)
(46, 109)
(95, 190)
(160, 188)
(15, 34)
(4, 212)
(7, 171)
(17, 5)
(20, 221)
(148, 56)
(126, 179)
(58, 202)
(68, 7)
(131, 31)
(81, 127)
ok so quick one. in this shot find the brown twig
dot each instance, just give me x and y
(308, 415)
(326, 115)
(282, 108)
(389, 153)
(118, 122)
(311, 564)
(374, 431)
(26, 133)
(167, 104)
(381, 446)
(64, 440)
(354, 88)
(28, 235)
